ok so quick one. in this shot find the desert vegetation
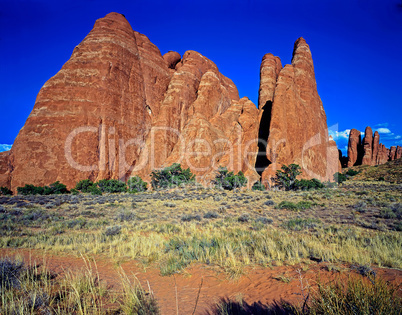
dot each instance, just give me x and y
(175, 226)
(34, 289)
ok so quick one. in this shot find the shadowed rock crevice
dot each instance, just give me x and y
(262, 161)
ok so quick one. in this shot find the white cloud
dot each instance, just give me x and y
(382, 125)
(397, 137)
(337, 135)
(384, 130)
(5, 147)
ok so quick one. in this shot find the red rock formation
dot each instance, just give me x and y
(269, 71)
(118, 108)
(371, 152)
(4, 169)
(196, 93)
(354, 147)
(376, 145)
(383, 155)
(398, 152)
(172, 58)
(90, 120)
(392, 153)
(297, 127)
(367, 147)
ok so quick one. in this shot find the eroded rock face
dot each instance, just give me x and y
(172, 58)
(367, 147)
(297, 127)
(119, 108)
(376, 145)
(91, 119)
(354, 147)
(383, 155)
(398, 152)
(269, 72)
(392, 153)
(371, 151)
(5, 169)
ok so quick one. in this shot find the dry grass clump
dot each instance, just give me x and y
(33, 289)
(357, 296)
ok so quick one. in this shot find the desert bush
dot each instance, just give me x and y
(10, 271)
(301, 205)
(258, 186)
(392, 212)
(286, 178)
(339, 177)
(360, 206)
(243, 218)
(264, 220)
(136, 184)
(84, 185)
(55, 188)
(171, 176)
(228, 180)
(307, 184)
(29, 189)
(169, 204)
(356, 297)
(299, 224)
(78, 223)
(190, 217)
(95, 190)
(211, 215)
(352, 172)
(269, 203)
(111, 186)
(4, 191)
(125, 216)
(113, 230)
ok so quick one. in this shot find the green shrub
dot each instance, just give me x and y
(352, 172)
(136, 184)
(299, 224)
(228, 180)
(287, 205)
(339, 177)
(301, 205)
(286, 178)
(307, 184)
(171, 176)
(111, 186)
(5, 191)
(29, 189)
(84, 185)
(258, 186)
(95, 190)
(56, 188)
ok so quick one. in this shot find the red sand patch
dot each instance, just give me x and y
(257, 285)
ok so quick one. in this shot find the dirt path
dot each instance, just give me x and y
(263, 285)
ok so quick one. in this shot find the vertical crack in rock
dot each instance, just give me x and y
(262, 161)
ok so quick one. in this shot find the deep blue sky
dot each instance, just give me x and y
(356, 46)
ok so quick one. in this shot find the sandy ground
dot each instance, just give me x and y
(257, 285)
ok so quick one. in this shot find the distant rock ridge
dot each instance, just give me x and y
(119, 108)
(369, 151)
